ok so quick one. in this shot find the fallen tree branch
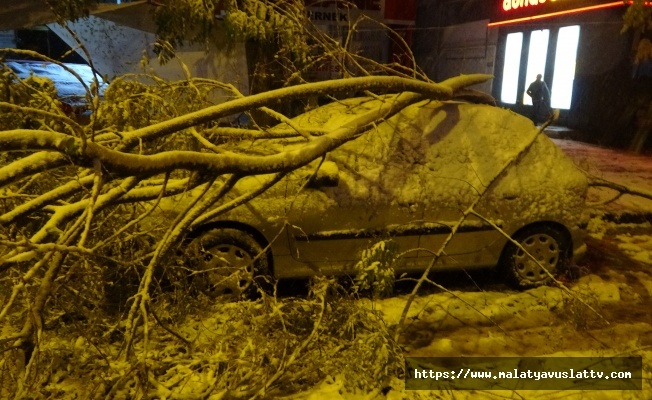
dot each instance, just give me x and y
(74, 126)
(385, 84)
(594, 181)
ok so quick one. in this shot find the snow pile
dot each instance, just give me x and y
(638, 247)
(595, 287)
(458, 309)
(214, 349)
(539, 322)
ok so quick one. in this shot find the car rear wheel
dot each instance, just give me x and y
(227, 261)
(549, 247)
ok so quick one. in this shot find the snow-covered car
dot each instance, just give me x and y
(70, 90)
(433, 167)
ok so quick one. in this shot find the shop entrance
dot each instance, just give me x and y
(550, 52)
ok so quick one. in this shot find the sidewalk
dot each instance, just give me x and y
(619, 166)
(562, 132)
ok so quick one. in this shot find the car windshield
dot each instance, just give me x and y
(67, 84)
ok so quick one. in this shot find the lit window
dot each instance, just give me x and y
(562, 83)
(511, 68)
(536, 59)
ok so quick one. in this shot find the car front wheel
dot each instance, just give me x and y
(227, 261)
(548, 249)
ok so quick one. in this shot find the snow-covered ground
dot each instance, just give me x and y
(619, 166)
(546, 321)
(606, 312)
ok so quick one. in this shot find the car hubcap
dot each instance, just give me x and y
(226, 269)
(545, 250)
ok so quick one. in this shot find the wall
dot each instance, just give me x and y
(465, 49)
(606, 96)
(446, 44)
(451, 38)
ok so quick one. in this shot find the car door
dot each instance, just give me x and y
(467, 146)
(332, 224)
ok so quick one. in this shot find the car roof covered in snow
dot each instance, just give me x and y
(65, 82)
(442, 146)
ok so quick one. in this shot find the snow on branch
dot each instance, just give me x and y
(594, 181)
(385, 84)
(87, 198)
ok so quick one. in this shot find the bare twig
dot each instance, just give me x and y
(622, 190)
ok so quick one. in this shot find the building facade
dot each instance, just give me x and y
(577, 46)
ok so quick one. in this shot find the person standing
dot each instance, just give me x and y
(540, 94)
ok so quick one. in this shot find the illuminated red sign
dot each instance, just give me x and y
(515, 11)
(515, 4)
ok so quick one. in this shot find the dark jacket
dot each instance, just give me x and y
(539, 91)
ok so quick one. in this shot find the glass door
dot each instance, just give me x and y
(511, 67)
(536, 59)
(565, 56)
(551, 53)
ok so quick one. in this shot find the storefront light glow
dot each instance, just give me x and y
(536, 59)
(565, 63)
(556, 14)
(511, 67)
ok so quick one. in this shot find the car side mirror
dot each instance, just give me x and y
(328, 175)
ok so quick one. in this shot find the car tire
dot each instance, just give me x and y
(227, 261)
(549, 245)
